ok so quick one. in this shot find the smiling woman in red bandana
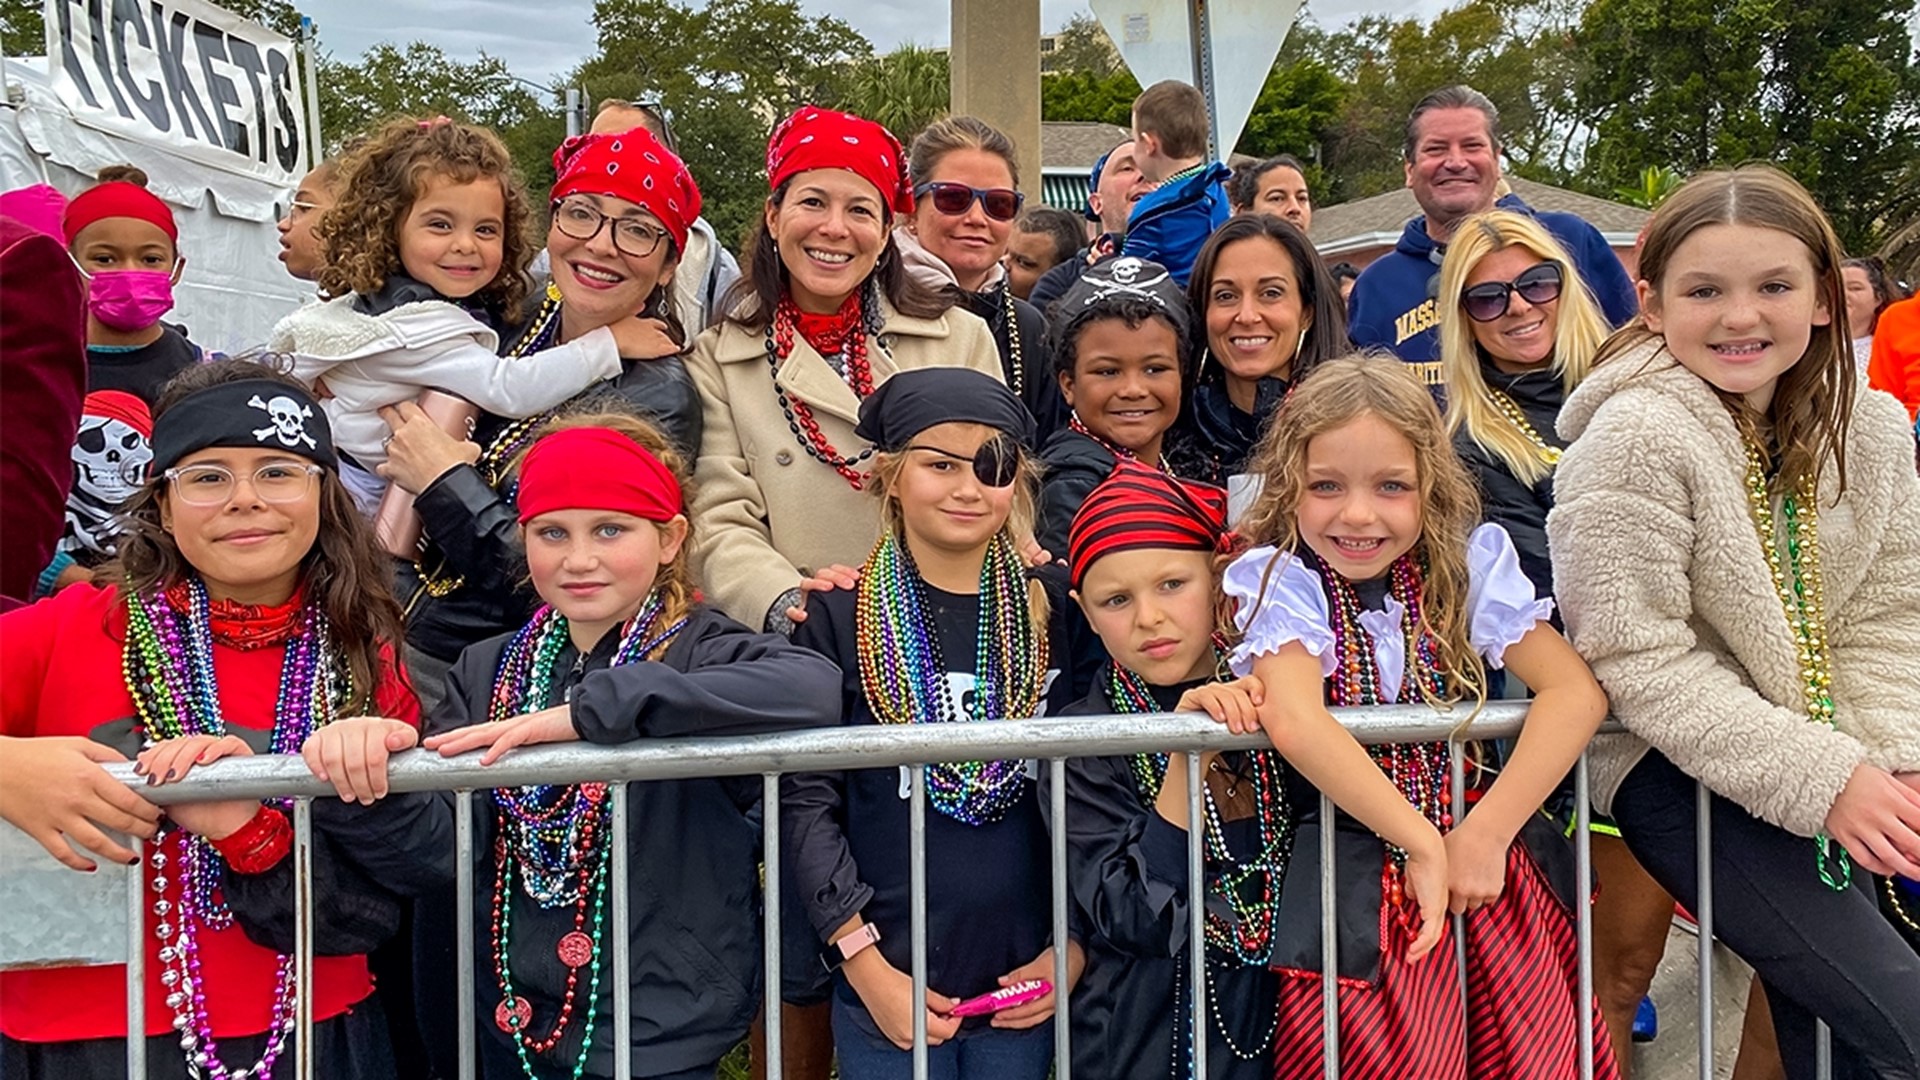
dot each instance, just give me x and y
(825, 313)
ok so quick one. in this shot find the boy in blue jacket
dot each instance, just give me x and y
(1169, 223)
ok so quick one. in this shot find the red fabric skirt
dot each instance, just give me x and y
(1519, 1020)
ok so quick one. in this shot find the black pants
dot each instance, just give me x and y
(351, 1046)
(1820, 952)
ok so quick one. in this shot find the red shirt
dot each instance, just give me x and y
(60, 674)
(1895, 366)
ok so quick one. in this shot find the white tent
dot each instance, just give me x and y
(234, 288)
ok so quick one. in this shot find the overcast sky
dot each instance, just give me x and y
(541, 39)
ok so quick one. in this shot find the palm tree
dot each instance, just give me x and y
(1656, 183)
(906, 89)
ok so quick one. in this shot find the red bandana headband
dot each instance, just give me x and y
(118, 199)
(596, 469)
(816, 138)
(122, 406)
(631, 165)
(1140, 507)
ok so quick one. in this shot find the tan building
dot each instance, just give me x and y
(1365, 229)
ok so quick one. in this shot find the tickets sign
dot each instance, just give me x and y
(212, 86)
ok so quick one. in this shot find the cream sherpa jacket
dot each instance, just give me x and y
(1666, 592)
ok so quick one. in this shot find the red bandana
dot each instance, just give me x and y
(245, 626)
(1139, 507)
(828, 333)
(596, 469)
(118, 199)
(816, 138)
(632, 166)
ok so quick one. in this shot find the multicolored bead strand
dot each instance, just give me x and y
(905, 679)
(557, 839)
(1249, 888)
(1803, 598)
(168, 665)
(1421, 771)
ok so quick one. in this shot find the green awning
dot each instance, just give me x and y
(1064, 192)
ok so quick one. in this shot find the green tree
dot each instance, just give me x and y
(1294, 112)
(726, 71)
(419, 79)
(1083, 45)
(906, 89)
(1830, 92)
(1082, 95)
(23, 27)
(1656, 182)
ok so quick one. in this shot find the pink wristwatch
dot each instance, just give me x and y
(849, 945)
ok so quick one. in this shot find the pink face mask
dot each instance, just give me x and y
(129, 300)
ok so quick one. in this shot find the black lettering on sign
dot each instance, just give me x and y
(70, 60)
(171, 45)
(286, 140)
(153, 101)
(212, 45)
(102, 63)
(247, 59)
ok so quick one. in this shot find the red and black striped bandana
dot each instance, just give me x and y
(1141, 507)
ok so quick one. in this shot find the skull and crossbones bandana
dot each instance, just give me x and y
(253, 414)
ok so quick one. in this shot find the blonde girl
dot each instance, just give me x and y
(1737, 548)
(1371, 583)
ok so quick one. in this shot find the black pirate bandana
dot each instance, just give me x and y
(253, 414)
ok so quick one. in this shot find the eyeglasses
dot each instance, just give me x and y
(296, 208)
(213, 485)
(581, 220)
(1001, 204)
(996, 464)
(1488, 300)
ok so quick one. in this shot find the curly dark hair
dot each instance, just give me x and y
(378, 181)
(346, 572)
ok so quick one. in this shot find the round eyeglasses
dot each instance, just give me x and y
(213, 485)
(633, 237)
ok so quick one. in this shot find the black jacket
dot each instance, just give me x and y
(1214, 440)
(693, 849)
(471, 529)
(1034, 381)
(1075, 464)
(1519, 508)
(1127, 869)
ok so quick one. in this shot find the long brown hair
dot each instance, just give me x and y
(378, 182)
(1813, 402)
(677, 581)
(751, 300)
(1337, 393)
(347, 575)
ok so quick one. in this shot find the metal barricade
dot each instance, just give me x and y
(1048, 741)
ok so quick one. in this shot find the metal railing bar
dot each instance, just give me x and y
(1822, 1051)
(1703, 915)
(917, 903)
(1583, 910)
(622, 939)
(1197, 910)
(770, 899)
(1329, 944)
(1457, 807)
(819, 749)
(1062, 1038)
(137, 958)
(463, 926)
(303, 937)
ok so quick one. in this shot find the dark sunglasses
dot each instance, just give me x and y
(1488, 300)
(996, 464)
(1001, 204)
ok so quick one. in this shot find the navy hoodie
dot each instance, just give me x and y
(1393, 305)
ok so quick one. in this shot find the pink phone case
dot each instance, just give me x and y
(1004, 998)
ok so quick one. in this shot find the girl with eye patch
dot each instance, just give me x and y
(946, 625)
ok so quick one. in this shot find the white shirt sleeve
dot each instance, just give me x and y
(1501, 605)
(1279, 600)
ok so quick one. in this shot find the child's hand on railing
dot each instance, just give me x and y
(351, 754)
(1426, 890)
(1235, 704)
(53, 789)
(171, 759)
(1476, 866)
(528, 729)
